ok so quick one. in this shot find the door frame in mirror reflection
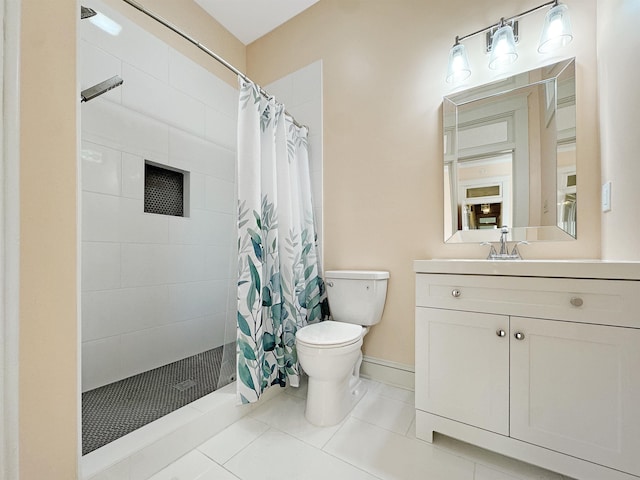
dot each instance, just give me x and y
(497, 119)
(492, 190)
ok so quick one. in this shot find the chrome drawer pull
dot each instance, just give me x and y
(456, 293)
(500, 332)
(519, 335)
(576, 301)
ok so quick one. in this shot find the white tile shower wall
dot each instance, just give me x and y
(154, 288)
(301, 92)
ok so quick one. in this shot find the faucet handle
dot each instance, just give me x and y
(492, 250)
(515, 252)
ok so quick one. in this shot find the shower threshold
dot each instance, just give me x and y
(147, 450)
(114, 410)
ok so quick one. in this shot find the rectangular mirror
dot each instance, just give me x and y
(510, 158)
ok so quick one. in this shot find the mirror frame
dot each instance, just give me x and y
(450, 130)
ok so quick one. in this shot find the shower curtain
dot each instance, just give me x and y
(280, 288)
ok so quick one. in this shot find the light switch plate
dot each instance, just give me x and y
(606, 197)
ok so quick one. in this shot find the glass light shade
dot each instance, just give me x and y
(556, 31)
(503, 48)
(459, 69)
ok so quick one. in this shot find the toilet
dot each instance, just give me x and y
(330, 351)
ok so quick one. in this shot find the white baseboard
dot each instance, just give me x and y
(385, 371)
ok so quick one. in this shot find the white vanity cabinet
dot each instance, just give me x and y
(466, 365)
(575, 388)
(543, 369)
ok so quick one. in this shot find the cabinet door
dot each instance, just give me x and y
(575, 388)
(462, 367)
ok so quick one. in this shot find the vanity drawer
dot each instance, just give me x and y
(604, 302)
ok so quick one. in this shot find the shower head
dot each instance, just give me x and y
(86, 12)
(100, 88)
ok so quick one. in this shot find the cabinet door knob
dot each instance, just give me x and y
(455, 293)
(500, 332)
(576, 301)
(519, 336)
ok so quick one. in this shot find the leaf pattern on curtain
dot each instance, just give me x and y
(280, 288)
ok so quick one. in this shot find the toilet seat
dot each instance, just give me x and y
(329, 334)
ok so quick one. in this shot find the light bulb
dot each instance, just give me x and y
(555, 27)
(501, 47)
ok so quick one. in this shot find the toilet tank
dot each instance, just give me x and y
(356, 296)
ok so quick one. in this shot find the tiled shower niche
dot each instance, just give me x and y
(164, 190)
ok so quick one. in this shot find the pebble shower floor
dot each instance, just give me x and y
(111, 411)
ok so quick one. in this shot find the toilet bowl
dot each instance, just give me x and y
(330, 352)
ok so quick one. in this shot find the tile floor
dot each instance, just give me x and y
(375, 442)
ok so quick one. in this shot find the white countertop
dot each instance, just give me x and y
(532, 268)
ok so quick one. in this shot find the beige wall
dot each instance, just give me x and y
(48, 393)
(384, 65)
(618, 70)
(48, 369)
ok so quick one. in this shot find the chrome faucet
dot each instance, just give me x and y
(503, 253)
(504, 248)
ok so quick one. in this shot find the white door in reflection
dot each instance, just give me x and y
(484, 192)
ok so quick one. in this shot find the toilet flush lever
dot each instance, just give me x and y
(329, 284)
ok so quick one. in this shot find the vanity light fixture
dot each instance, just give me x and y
(502, 38)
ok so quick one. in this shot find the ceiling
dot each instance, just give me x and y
(249, 20)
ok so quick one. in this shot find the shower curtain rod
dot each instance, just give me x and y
(206, 50)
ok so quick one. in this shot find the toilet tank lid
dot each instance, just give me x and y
(357, 274)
